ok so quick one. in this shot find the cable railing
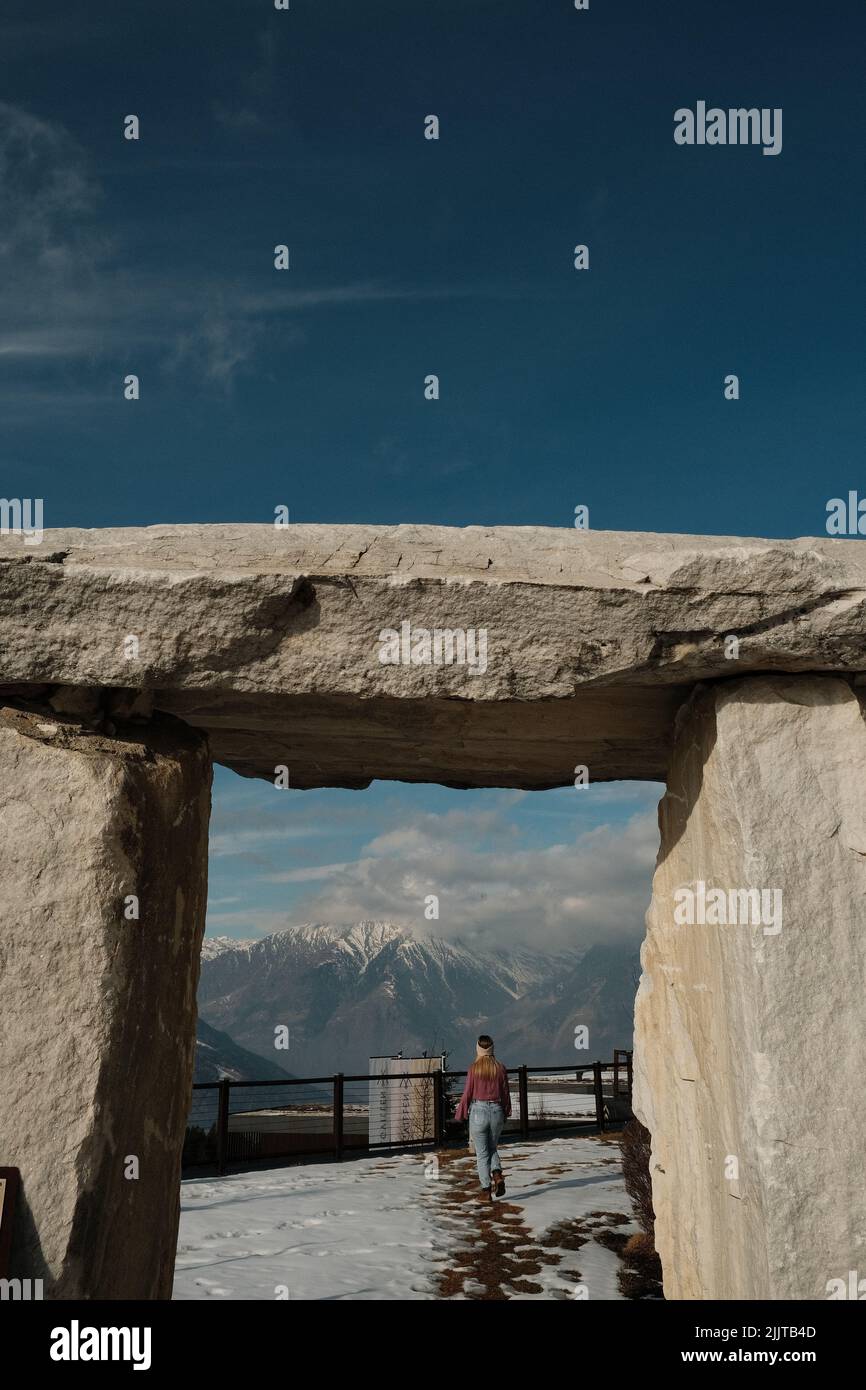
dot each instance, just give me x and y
(242, 1122)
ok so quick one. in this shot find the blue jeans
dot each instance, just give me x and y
(486, 1118)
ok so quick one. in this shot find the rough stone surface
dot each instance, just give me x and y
(97, 1013)
(749, 1046)
(268, 638)
(752, 1044)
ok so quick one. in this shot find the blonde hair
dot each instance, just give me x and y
(486, 1067)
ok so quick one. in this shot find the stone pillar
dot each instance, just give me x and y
(750, 1045)
(97, 1005)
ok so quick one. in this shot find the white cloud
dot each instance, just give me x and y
(308, 875)
(444, 827)
(593, 887)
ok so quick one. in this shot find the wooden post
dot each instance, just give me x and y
(615, 1072)
(629, 1062)
(438, 1107)
(338, 1116)
(599, 1096)
(223, 1125)
(523, 1092)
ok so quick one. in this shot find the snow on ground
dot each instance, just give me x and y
(590, 1181)
(359, 1229)
(398, 1226)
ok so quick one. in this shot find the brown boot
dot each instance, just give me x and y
(485, 1195)
(498, 1183)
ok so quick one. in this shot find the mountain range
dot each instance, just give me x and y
(218, 1057)
(371, 989)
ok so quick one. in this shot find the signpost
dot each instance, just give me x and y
(402, 1103)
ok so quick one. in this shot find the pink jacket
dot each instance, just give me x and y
(480, 1088)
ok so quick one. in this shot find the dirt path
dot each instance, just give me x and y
(497, 1255)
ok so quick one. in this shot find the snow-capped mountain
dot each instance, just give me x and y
(213, 946)
(349, 993)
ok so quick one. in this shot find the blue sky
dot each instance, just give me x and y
(409, 256)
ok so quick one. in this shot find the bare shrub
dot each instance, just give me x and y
(635, 1144)
(641, 1276)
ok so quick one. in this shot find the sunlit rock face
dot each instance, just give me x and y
(750, 1039)
(97, 1004)
(481, 656)
(517, 657)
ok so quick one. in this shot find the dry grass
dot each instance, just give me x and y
(500, 1256)
(642, 1275)
(501, 1253)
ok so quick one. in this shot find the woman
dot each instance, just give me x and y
(486, 1092)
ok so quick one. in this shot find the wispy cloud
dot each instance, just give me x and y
(312, 874)
(50, 250)
(47, 191)
(241, 119)
(254, 835)
(49, 342)
(364, 292)
(244, 923)
(255, 89)
(68, 297)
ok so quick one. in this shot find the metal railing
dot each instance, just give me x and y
(242, 1122)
